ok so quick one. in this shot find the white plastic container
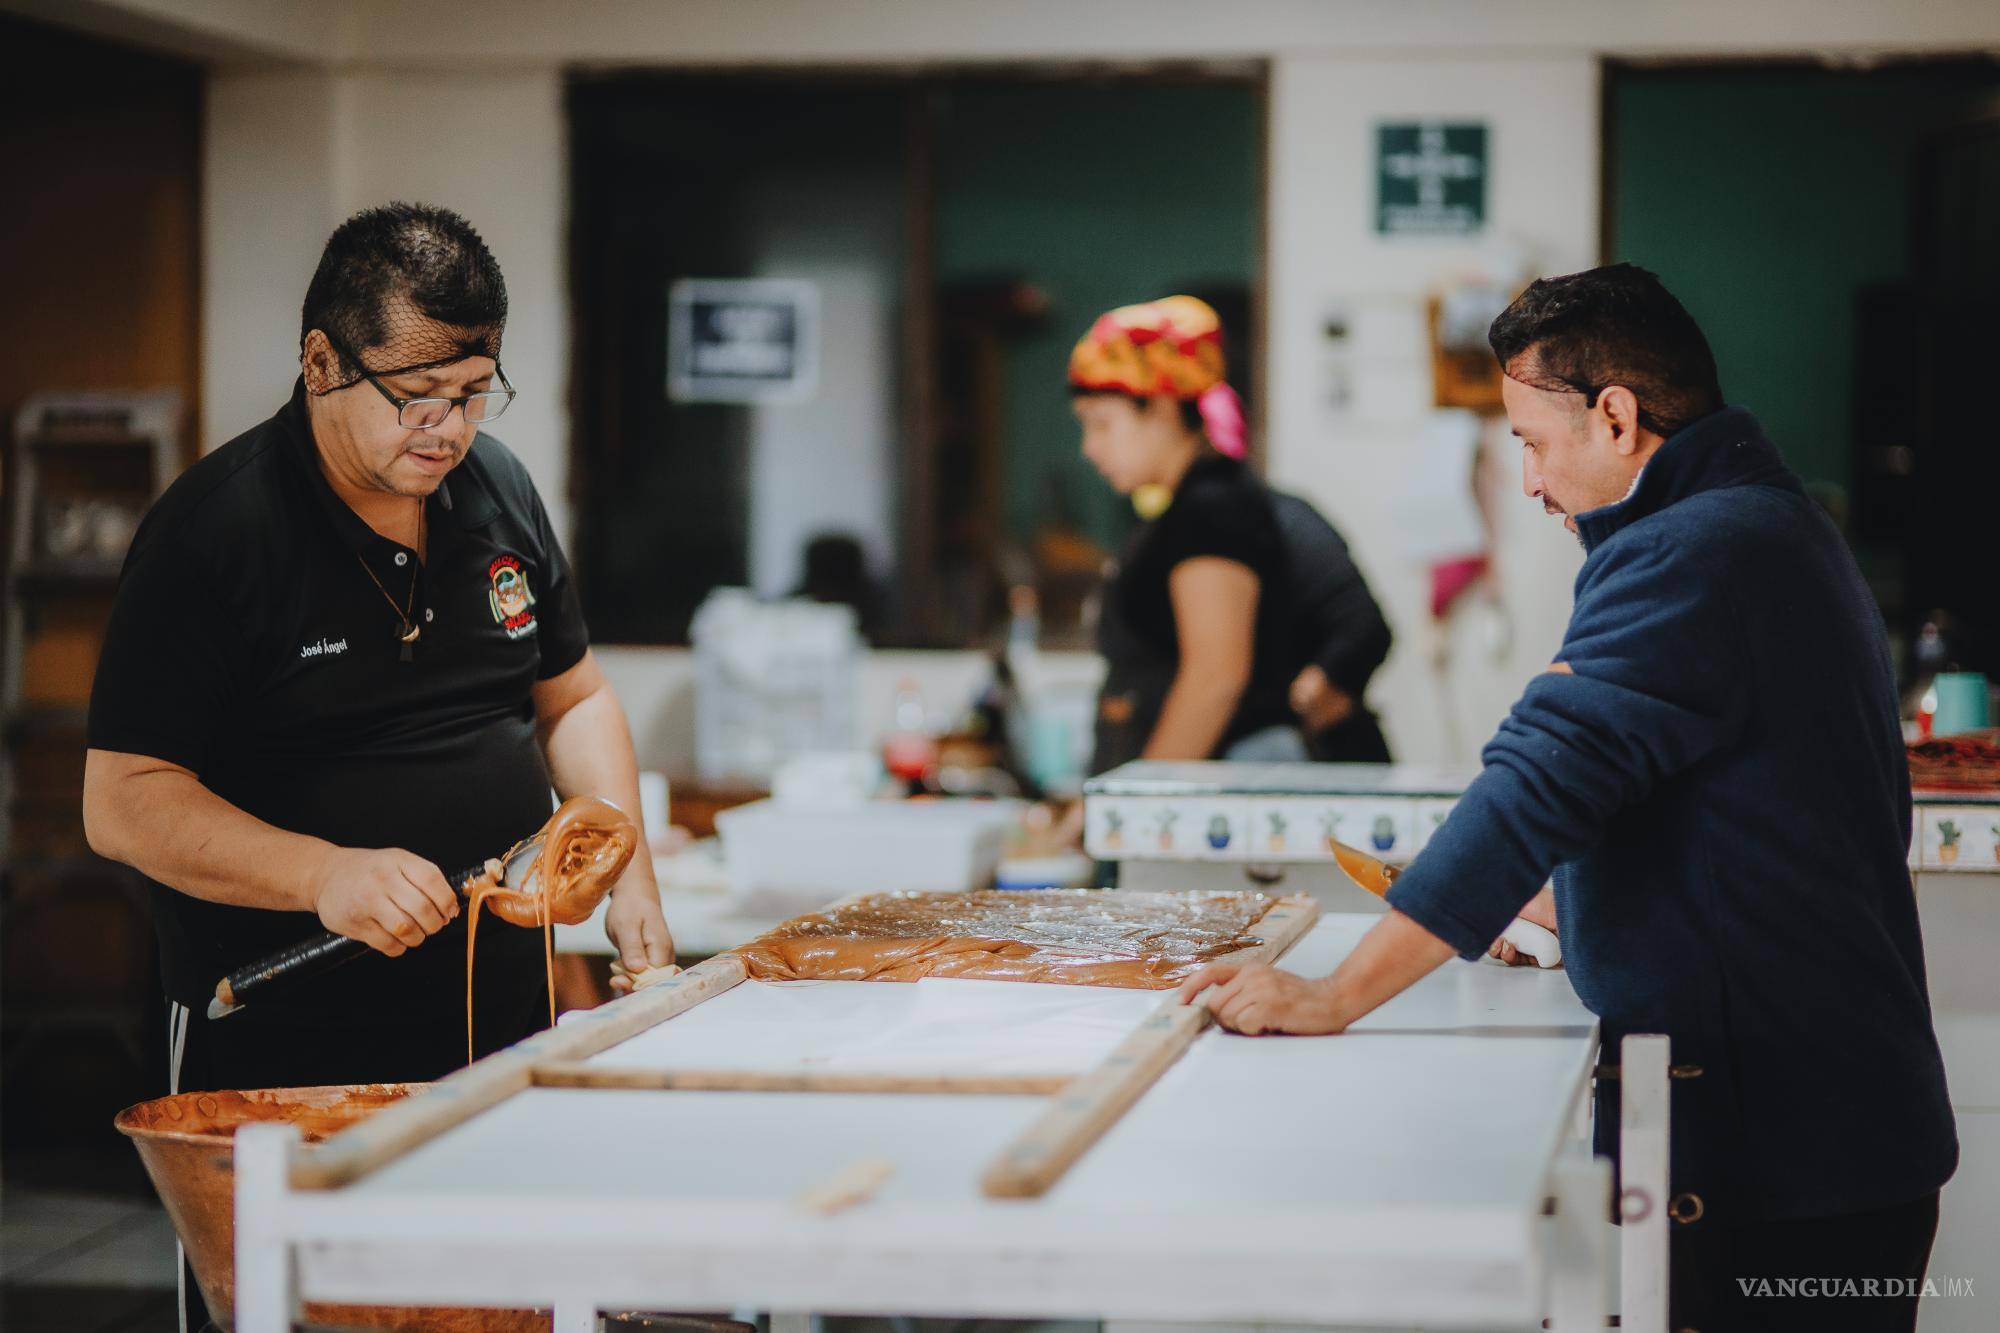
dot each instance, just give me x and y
(798, 859)
(773, 680)
(1063, 870)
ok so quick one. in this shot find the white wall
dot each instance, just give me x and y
(520, 33)
(270, 154)
(290, 153)
(820, 31)
(219, 33)
(490, 145)
(1542, 118)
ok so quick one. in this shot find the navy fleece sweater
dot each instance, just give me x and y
(1718, 785)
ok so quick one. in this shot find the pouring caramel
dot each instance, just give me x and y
(558, 876)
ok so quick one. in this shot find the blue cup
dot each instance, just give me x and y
(1051, 757)
(1963, 703)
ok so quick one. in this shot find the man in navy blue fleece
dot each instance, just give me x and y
(1713, 771)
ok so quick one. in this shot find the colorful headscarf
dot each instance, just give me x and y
(1166, 348)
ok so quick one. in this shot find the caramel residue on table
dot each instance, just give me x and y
(1078, 937)
(585, 847)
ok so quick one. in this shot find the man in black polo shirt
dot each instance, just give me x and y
(347, 656)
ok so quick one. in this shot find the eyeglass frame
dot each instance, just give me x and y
(1591, 393)
(506, 389)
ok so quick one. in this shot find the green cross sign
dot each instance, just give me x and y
(1430, 179)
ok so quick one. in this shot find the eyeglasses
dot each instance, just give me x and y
(1592, 392)
(429, 413)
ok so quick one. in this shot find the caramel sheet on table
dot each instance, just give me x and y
(1078, 937)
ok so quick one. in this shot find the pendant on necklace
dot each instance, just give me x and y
(409, 639)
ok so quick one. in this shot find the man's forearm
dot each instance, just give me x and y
(589, 753)
(165, 824)
(1394, 955)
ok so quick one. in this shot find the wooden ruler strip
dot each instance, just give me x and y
(456, 1098)
(1278, 930)
(572, 1074)
(589, 1031)
(856, 1185)
(1092, 1104)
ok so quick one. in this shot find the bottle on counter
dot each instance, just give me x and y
(1024, 634)
(909, 752)
(1930, 657)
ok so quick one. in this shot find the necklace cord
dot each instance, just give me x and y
(408, 628)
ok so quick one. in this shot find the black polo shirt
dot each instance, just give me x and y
(1220, 509)
(249, 645)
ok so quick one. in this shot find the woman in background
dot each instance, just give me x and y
(1195, 628)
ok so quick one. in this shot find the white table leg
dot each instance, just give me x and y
(1643, 1113)
(1579, 1258)
(266, 1285)
(574, 1316)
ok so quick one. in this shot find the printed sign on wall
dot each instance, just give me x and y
(742, 340)
(1430, 178)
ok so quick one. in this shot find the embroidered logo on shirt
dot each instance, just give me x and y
(510, 597)
(323, 648)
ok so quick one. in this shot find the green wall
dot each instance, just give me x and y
(1765, 199)
(1101, 196)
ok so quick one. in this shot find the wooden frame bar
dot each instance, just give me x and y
(456, 1098)
(1086, 1106)
(573, 1074)
(1036, 1160)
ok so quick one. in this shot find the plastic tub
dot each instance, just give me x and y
(798, 859)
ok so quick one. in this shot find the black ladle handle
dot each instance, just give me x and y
(277, 971)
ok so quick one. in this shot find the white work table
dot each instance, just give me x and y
(1398, 1174)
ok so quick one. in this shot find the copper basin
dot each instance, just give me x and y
(185, 1143)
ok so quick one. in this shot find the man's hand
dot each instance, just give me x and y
(1319, 702)
(588, 744)
(1253, 998)
(638, 931)
(1541, 910)
(1394, 954)
(389, 899)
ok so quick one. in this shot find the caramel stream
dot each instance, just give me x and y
(585, 846)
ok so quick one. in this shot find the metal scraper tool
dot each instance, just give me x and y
(1376, 877)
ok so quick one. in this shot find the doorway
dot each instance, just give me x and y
(1830, 230)
(958, 230)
